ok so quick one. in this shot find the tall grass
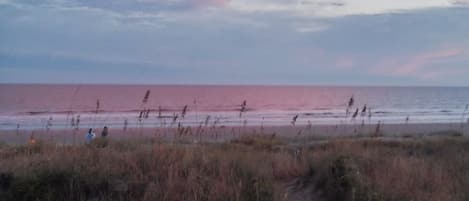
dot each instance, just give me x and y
(252, 167)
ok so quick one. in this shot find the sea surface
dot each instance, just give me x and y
(27, 106)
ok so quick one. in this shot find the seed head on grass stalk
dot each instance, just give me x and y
(355, 114)
(207, 120)
(175, 118)
(143, 112)
(126, 123)
(49, 124)
(17, 129)
(97, 106)
(146, 97)
(243, 108)
(184, 110)
(215, 123)
(293, 122)
(140, 116)
(77, 124)
(378, 129)
(72, 122)
(147, 113)
(349, 105)
(363, 113)
(464, 112)
(160, 110)
(351, 101)
(369, 114)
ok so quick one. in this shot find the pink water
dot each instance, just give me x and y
(31, 106)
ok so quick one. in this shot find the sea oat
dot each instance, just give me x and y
(97, 106)
(160, 112)
(243, 108)
(355, 114)
(363, 113)
(147, 95)
(184, 110)
(294, 120)
(207, 119)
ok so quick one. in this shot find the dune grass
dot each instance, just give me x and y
(250, 168)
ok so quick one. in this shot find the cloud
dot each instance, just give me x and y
(336, 8)
(460, 2)
(422, 65)
(257, 41)
(183, 3)
(302, 8)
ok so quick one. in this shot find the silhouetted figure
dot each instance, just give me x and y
(105, 132)
(32, 139)
(89, 136)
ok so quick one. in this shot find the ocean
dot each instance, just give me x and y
(28, 106)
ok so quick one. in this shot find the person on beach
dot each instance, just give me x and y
(32, 140)
(89, 136)
(105, 132)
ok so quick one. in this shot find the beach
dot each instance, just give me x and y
(226, 133)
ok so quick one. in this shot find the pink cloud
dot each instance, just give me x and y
(210, 3)
(417, 65)
(418, 62)
(190, 3)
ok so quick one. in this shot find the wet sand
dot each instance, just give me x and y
(223, 133)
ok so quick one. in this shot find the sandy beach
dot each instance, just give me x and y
(224, 133)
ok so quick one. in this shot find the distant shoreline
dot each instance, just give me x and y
(224, 133)
(233, 85)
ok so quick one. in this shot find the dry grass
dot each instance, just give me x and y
(249, 168)
(426, 170)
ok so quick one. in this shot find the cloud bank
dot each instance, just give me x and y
(336, 42)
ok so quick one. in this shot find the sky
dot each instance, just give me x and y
(260, 42)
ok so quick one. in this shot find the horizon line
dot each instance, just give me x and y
(229, 85)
